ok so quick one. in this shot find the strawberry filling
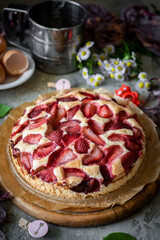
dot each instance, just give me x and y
(87, 186)
(47, 175)
(37, 110)
(32, 138)
(81, 145)
(44, 150)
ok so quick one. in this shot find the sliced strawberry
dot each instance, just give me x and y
(108, 126)
(19, 128)
(132, 145)
(71, 126)
(116, 137)
(32, 138)
(96, 127)
(67, 99)
(60, 113)
(137, 133)
(88, 109)
(93, 137)
(71, 112)
(54, 155)
(128, 160)
(74, 172)
(44, 150)
(55, 136)
(52, 109)
(38, 122)
(68, 138)
(94, 157)
(122, 115)
(37, 110)
(47, 175)
(113, 152)
(26, 160)
(105, 112)
(87, 186)
(89, 95)
(65, 156)
(81, 145)
(120, 125)
(106, 175)
(17, 140)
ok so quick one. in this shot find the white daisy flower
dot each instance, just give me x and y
(85, 73)
(91, 80)
(106, 65)
(115, 61)
(120, 68)
(78, 58)
(119, 76)
(100, 63)
(133, 55)
(142, 76)
(89, 44)
(99, 77)
(95, 56)
(112, 69)
(112, 75)
(102, 57)
(140, 85)
(147, 85)
(84, 53)
(129, 62)
(109, 49)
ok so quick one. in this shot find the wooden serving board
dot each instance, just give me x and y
(72, 216)
(89, 217)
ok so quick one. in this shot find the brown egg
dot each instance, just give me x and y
(15, 62)
(2, 74)
(3, 44)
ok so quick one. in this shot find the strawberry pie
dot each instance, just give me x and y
(78, 144)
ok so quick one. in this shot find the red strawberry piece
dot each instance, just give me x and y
(16, 152)
(137, 133)
(44, 150)
(37, 122)
(71, 126)
(26, 160)
(94, 157)
(19, 128)
(81, 145)
(53, 156)
(120, 125)
(122, 115)
(87, 186)
(105, 112)
(60, 113)
(93, 137)
(71, 112)
(32, 138)
(37, 110)
(47, 175)
(132, 145)
(64, 157)
(106, 175)
(95, 127)
(108, 126)
(52, 109)
(55, 136)
(67, 99)
(89, 95)
(74, 172)
(88, 109)
(116, 137)
(113, 152)
(17, 140)
(75, 129)
(128, 160)
(68, 138)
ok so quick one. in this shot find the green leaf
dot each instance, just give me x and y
(119, 236)
(4, 109)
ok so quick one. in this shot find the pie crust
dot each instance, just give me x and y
(77, 144)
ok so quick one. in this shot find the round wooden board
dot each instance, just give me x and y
(72, 217)
(89, 217)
